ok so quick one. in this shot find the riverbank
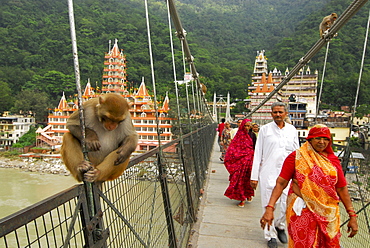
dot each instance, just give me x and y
(31, 164)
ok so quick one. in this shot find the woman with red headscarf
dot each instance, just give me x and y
(238, 162)
(318, 184)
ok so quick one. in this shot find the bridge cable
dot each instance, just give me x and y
(161, 169)
(182, 149)
(181, 34)
(87, 185)
(347, 152)
(174, 68)
(152, 72)
(322, 82)
(347, 14)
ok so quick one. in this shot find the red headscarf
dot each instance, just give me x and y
(240, 149)
(321, 130)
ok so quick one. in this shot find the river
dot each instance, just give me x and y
(20, 189)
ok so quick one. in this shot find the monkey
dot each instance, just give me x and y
(203, 88)
(326, 23)
(110, 138)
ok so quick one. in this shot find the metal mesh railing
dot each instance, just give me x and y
(151, 205)
(358, 179)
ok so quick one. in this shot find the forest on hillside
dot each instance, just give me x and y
(224, 35)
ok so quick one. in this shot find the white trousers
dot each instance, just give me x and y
(279, 213)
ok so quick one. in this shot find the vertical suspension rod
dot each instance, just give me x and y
(181, 34)
(88, 185)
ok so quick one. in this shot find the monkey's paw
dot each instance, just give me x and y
(93, 145)
(84, 166)
(91, 175)
(122, 157)
(123, 153)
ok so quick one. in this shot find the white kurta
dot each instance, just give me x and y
(233, 132)
(272, 147)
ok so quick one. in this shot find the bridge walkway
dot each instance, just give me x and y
(221, 223)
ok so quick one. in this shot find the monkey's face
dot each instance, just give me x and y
(112, 110)
(110, 124)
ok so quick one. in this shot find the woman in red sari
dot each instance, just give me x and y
(318, 184)
(238, 162)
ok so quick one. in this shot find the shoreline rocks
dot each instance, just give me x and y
(40, 165)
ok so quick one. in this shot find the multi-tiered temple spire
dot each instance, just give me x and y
(114, 73)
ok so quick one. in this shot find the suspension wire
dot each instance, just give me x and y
(152, 71)
(181, 34)
(181, 150)
(322, 82)
(198, 98)
(87, 185)
(347, 153)
(193, 94)
(162, 171)
(174, 69)
(361, 70)
(299, 97)
(347, 14)
(186, 85)
(214, 113)
(347, 149)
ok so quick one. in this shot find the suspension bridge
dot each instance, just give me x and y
(167, 199)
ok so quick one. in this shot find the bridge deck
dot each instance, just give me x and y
(221, 223)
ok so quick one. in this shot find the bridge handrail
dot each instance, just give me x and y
(132, 210)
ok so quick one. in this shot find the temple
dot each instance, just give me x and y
(142, 106)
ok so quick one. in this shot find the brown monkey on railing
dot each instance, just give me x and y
(110, 139)
(327, 22)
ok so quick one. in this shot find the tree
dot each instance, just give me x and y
(362, 110)
(34, 102)
(6, 99)
(53, 83)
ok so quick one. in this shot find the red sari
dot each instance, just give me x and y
(238, 162)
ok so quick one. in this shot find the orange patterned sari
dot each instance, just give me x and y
(318, 224)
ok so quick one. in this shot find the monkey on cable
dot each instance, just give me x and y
(326, 23)
(110, 139)
(203, 88)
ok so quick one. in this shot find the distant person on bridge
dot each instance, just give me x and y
(225, 139)
(235, 130)
(275, 141)
(238, 162)
(318, 184)
(255, 128)
(220, 128)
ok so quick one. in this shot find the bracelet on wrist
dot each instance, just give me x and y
(353, 215)
(270, 206)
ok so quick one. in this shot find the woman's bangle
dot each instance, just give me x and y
(351, 211)
(352, 215)
(270, 206)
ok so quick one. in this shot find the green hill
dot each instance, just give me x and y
(224, 35)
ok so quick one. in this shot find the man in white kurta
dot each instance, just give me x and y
(275, 141)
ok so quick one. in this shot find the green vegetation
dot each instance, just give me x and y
(355, 142)
(27, 139)
(10, 154)
(37, 65)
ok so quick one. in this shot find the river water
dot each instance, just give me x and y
(20, 189)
